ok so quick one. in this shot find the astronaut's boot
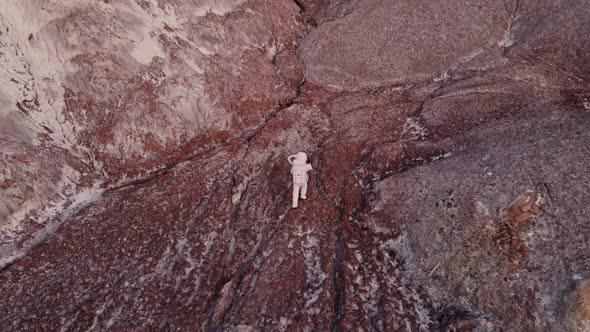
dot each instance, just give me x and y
(296, 187)
(304, 191)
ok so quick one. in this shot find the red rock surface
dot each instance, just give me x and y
(145, 184)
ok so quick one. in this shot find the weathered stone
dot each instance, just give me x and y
(580, 311)
(145, 184)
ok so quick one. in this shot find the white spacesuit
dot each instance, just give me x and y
(299, 171)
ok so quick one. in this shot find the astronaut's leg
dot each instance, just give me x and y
(295, 194)
(304, 191)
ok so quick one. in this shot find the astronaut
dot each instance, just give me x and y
(299, 171)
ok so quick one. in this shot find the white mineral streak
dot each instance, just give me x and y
(39, 39)
(51, 218)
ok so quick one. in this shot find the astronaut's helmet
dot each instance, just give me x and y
(300, 159)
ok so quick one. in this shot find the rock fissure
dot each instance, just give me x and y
(508, 40)
(337, 273)
(266, 237)
(300, 5)
(318, 176)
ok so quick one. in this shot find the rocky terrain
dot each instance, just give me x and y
(144, 182)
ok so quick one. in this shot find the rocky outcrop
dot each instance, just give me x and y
(101, 91)
(579, 313)
(145, 183)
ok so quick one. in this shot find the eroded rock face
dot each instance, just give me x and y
(99, 89)
(145, 183)
(393, 42)
(580, 311)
